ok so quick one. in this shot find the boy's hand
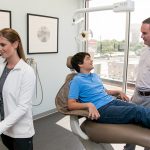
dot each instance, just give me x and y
(123, 96)
(93, 112)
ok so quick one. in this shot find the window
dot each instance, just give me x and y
(107, 43)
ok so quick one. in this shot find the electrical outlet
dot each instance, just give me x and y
(123, 6)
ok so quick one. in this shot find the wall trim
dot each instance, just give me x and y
(44, 114)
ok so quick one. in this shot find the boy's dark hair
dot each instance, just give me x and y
(146, 21)
(78, 59)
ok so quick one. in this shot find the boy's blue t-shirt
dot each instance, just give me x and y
(89, 88)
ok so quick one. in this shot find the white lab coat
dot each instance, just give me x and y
(17, 94)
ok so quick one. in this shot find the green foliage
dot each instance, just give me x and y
(110, 46)
(136, 47)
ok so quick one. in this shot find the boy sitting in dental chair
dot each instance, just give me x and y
(86, 91)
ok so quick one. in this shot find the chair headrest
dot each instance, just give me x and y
(68, 63)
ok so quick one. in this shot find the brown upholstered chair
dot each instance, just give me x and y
(96, 136)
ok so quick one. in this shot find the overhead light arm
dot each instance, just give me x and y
(125, 6)
(92, 9)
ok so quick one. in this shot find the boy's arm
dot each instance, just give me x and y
(93, 112)
(116, 93)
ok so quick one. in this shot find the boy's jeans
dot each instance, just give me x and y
(120, 112)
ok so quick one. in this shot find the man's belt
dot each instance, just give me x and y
(144, 93)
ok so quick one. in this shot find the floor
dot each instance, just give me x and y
(53, 133)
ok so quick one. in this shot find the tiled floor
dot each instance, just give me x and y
(2, 147)
(50, 136)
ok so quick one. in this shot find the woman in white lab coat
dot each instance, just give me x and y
(17, 84)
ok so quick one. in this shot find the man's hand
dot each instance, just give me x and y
(93, 112)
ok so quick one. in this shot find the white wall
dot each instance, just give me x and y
(51, 67)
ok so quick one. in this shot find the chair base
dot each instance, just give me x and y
(89, 145)
(84, 139)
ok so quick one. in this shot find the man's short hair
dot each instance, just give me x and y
(146, 21)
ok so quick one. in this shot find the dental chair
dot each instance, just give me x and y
(97, 136)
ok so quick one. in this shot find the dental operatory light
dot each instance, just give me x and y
(86, 35)
(124, 6)
(83, 36)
